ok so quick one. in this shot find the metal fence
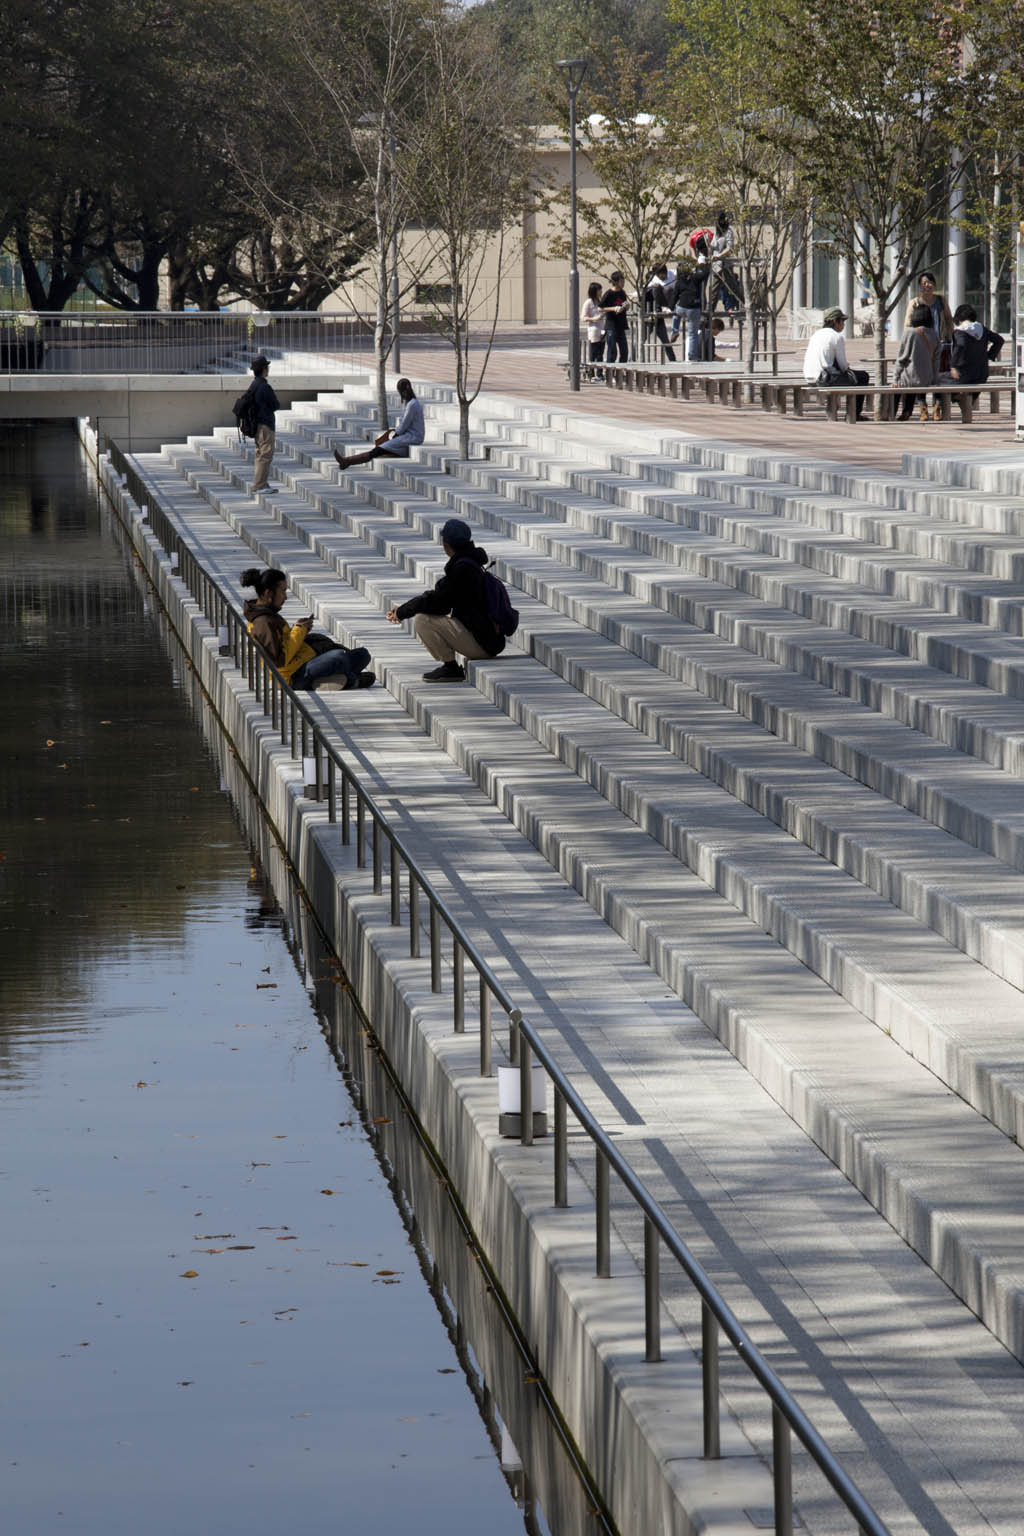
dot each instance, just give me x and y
(137, 342)
(414, 902)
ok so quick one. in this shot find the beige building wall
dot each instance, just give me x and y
(534, 284)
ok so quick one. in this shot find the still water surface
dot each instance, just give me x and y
(214, 1317)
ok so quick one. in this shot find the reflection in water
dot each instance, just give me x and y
(214, 1322)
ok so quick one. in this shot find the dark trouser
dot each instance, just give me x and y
(596, 351)
(616, 341)
(330, 664)
(860, 377)
(662, 335)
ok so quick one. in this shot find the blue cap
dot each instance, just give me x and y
(456, 532)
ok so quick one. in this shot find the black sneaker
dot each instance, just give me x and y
(448, 672)
(366, 679)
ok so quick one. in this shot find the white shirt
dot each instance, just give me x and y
(824, 348)
(593, 318)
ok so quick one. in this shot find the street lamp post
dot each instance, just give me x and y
(575, 69)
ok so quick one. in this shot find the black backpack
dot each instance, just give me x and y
(503, 616)
(246, 414)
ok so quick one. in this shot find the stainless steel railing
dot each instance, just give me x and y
(360, 820)
(145, 342)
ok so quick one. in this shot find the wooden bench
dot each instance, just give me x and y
(793, 394)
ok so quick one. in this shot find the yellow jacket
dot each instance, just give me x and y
(285, 644)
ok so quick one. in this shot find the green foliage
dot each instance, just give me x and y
(628, 137)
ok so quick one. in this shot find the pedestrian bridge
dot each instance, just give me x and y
(146, 379)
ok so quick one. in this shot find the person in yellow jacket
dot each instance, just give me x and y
(304, 660)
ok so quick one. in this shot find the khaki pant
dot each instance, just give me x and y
(443, 635)
(265, 438)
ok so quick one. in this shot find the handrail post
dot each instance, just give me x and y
(709, 1382)
(525, 1087)
(346, 808)
(396, 888)
(378, 880)
(652, 1291)
(782, 1473)
(485, 1029)
(458, 986)
(294, 715)
(414, 916)
(360, 829)
(318, 758)
(603, 1216)
(435, 948)
(561, 1150)
(332, 791)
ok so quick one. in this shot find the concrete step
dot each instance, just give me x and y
(964, 797)
(918, 694)
(964, 897)
(859, 1328)
(841, 1078)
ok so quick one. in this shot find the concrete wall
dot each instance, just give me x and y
(142, 412)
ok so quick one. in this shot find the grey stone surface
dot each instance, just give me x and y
(917, 1400)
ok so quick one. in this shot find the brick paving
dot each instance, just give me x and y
(525, 365)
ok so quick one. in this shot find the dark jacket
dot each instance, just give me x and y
(690, 287)
(462, 593)
(617, 301)
(974, 347)
(265, 400)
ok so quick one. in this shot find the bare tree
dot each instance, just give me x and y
(470, 163)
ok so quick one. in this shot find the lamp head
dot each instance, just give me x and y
(575, 69)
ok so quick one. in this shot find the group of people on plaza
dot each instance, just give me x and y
(680, 293)
(937, 348)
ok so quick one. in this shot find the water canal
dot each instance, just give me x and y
(236, 1295)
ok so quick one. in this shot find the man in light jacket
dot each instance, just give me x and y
(826, 353)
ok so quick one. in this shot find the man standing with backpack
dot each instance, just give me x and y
(266, 403)
(468, 612)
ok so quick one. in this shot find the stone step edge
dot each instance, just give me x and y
(968, 1268)
(498, 1182)
(950, 1054)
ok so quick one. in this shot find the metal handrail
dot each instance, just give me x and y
(343, 792)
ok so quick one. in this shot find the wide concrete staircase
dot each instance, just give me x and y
(765, 717)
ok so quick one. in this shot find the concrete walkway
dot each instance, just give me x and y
(740, 814)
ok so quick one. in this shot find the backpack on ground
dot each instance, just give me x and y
(246, 414)
(503, 616)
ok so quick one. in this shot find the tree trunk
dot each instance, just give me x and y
(879, 344)
(747, 279)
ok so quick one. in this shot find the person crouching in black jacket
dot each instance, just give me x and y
(454, 616)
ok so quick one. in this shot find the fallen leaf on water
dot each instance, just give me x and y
(211, 1237)
(189, 1274)
(240, 1247)
(208, 1250)
(184, 1383)
(141, 1084)
(447, 1370)
(284, 1312)
(381, 1120)
(356, 1264)
(387, 1271)
(346, 1122)
(327, 1191)
(266, 986)
(284, 1239)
